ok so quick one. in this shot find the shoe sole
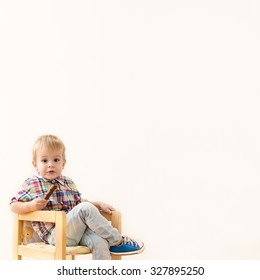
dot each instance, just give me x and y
(128, 253)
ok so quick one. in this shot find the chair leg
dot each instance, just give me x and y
(114, 258)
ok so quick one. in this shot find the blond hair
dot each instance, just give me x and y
(50, 142)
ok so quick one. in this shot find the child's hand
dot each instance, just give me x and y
(38, 204)
(106, 207)
(103, 206)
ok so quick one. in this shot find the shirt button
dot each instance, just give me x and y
(53, 181)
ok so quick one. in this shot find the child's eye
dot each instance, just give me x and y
(44, 160)
(56, 160)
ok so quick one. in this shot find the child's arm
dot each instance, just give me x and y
(103, 206)
(25, 207)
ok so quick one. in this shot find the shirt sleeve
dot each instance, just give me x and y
(77, 197)
(23, 195)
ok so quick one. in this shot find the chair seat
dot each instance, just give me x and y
(70, 250)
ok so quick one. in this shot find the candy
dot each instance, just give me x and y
(50, 192)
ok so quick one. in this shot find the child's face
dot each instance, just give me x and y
(49, 163)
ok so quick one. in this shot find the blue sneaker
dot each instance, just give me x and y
(128, 246)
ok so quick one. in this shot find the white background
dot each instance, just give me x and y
(158, 105)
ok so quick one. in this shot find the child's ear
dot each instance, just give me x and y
(34, 163)
(64, 162)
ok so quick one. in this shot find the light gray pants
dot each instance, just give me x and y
(86, 226)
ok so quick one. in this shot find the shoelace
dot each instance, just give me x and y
(129, 241)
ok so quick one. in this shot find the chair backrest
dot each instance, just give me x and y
(21, 249)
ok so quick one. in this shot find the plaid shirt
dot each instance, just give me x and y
(64, 198)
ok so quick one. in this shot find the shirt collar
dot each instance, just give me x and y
(59, 179)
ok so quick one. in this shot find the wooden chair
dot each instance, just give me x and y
(40, 250)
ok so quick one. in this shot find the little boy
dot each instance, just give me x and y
(85, 225)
